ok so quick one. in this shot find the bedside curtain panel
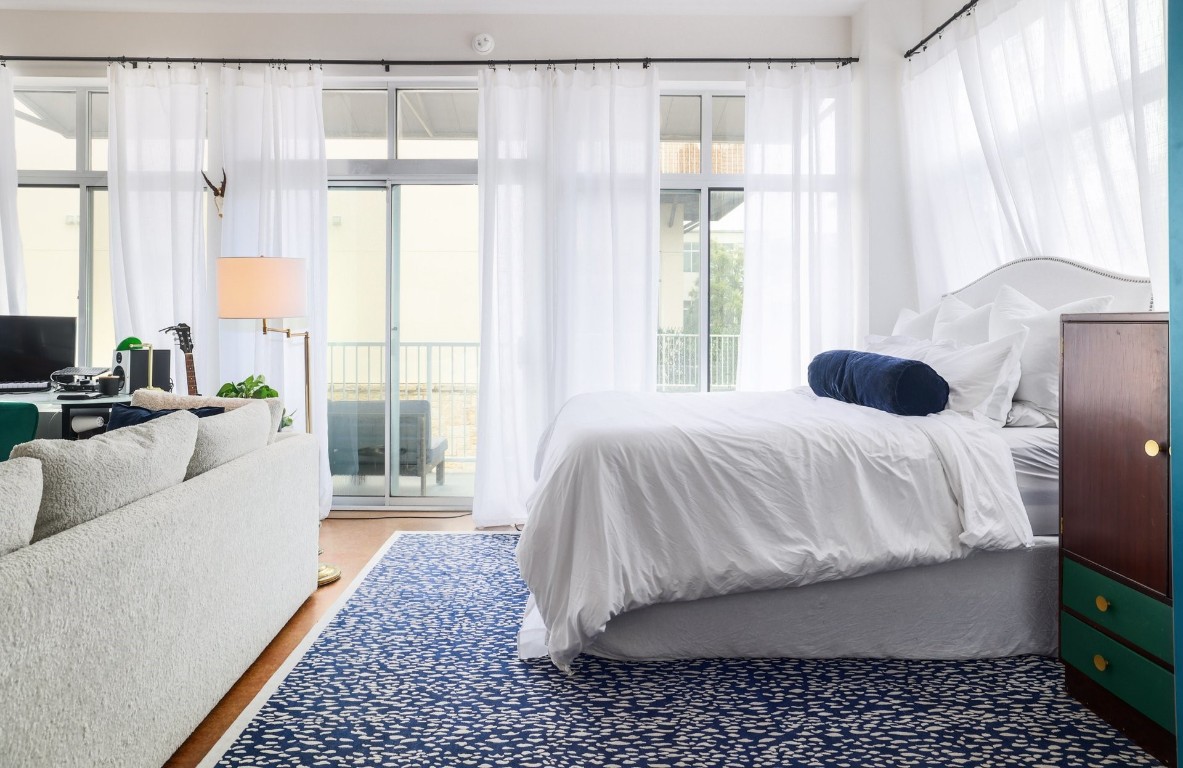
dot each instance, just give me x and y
(159, 272)
(12, 265)
(270, 141)
(1067, 102)
(802, 272)
(569, 193)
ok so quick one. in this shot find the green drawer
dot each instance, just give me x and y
(1133, 678)
(1139, 618)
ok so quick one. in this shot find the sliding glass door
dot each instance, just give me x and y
(404, 342)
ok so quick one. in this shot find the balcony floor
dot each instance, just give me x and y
(459, 480)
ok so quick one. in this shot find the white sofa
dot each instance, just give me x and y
(118, 636)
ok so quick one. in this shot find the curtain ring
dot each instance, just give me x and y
(770, 65)
(749, 63)
(618, 63)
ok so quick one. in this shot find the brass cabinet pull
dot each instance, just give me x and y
(1153, 448)
(1100, 663)
(1102, 603)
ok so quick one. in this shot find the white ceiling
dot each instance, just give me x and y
(560, 7)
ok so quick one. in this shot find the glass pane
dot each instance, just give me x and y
(355, 125)
(681, 134)
(727, 117)
(439, 340)
(98, 132)
(726, 302)
(102, 316)
(437, 125)
(678, 306)
(357, 341)
(49, 233)
(46, 131)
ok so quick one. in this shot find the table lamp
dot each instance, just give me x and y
(263, 287)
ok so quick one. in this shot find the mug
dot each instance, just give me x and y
(108, 385)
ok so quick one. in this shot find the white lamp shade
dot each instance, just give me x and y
(261, 287)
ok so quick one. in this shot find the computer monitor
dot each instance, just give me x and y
(31, 348)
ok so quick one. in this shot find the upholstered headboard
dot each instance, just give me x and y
(1052, 282)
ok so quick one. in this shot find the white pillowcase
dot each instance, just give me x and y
(959, 322)
(1039, 385)
(918, 325)
(982, 377)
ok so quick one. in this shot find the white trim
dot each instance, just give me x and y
(218, 750)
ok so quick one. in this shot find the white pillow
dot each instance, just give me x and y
(918, 325)
(982, 378)
(20, 498)
(159, 400)
(959, 322)
(1026, 415)
(227, 436)
(1040, 381)
(85, 479)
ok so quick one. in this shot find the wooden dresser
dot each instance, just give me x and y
(1115, 579)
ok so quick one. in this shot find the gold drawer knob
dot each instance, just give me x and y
(1153, 448)
(1102, 604)
(1100, 663)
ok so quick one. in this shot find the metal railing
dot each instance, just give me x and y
(678, 362)
(448, 373)
(444, 373)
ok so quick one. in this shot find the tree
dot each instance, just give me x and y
(726, 291)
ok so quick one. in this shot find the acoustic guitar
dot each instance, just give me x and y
(185, 342)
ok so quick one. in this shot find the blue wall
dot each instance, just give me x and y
(1175, 167)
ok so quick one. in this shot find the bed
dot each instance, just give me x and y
(618, 580)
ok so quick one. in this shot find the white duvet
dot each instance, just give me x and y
(645, 499)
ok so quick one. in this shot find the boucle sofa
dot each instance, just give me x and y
(118, 635)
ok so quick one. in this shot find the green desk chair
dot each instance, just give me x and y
(18, 424)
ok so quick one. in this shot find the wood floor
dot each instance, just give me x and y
(348, 542)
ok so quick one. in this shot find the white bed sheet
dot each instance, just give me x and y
(646, 499)
(1036, 452)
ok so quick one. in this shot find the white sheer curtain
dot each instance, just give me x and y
(801, 267)
(1068, 102)
(569, 189)
(159, 272)
(271, 144)
(12, 265)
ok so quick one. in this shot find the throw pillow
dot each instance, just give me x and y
(982, 377)
(224, 438)
(1039, 384)
(85, 479)
(156, 400)
(961, 323)
(891, 384)
(20, 489)
(123, 415)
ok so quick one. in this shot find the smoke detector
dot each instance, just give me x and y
(483, 43)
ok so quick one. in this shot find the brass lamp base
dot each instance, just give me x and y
(327, 574)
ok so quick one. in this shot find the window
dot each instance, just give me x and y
(355, 124)
(698, 335)
(61, 148)
(437, 125)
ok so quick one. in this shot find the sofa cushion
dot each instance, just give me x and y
(124, 415)
(20, 489)
(85, 479)
(155, 399)
(224, 438)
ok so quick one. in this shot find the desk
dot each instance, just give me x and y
(54, 415)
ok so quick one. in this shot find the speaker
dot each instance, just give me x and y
(131, 366)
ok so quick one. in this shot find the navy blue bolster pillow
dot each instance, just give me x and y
(892, 384)
(123, 415)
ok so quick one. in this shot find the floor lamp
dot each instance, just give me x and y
(263, 287)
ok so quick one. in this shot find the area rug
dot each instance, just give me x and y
(418, 669)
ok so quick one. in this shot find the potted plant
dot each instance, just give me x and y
(255, 387)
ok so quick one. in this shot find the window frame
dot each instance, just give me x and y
(85, 181)
(704, 182)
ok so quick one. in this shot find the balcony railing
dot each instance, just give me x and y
(448, 374)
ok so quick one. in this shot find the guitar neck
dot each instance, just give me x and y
(190, 374)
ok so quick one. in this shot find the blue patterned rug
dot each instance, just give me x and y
(418, 669)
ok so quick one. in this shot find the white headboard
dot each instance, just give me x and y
(1052, 282)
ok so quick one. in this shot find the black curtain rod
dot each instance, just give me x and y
(920, 46)
(388, 63)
